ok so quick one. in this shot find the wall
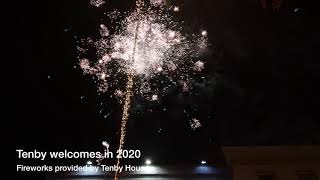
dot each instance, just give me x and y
(284, 161)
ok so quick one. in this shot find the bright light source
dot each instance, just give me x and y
(148, 162)
(172, 34)
(104, 143)
(103, 76)
(89, 162)
(203, 162)
(176, 9)
(204, 33)
(154, 97)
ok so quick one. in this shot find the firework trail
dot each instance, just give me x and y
(125, 115)
(105, 145)
(127, 101)
(148, 51)
(126, 106)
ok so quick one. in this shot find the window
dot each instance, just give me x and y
(266, 175)
(307, 175)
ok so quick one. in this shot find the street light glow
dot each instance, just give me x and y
(148, 162)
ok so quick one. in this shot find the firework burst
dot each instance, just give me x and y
(146, 49)
(149, 44)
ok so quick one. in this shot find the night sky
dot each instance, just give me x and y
(260, 86)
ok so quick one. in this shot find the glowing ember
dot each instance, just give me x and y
(119, 93)
(172, 34)
(185, 87)
(85, 65)
(157, 2)
(104, 30)
(194, 123)
(198, 66)
(154, 97)
(105, 144)
(103, 76)
(97, 3)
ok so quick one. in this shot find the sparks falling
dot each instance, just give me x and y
(97, 3)
(195, 123)
(142, 46)
(105, 145)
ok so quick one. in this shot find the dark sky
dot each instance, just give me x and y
(261, 85)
